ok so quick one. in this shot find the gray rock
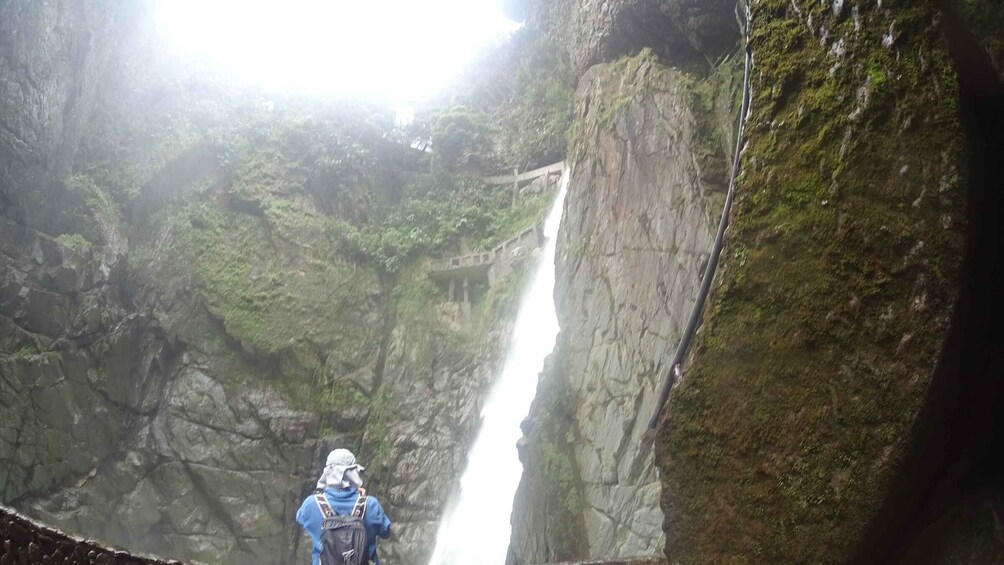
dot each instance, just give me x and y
(639, 220)
(50, 66)
(599, 31)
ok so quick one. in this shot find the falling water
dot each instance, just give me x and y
(476, 529)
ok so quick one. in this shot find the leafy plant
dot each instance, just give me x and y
(458, 133)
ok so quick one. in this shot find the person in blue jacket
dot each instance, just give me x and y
(342, 484)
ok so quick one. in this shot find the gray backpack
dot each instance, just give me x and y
(343, 538)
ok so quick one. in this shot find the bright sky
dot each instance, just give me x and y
(397, 51)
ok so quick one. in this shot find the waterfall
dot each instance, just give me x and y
(476, 529)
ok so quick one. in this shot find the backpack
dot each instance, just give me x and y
(343, 538)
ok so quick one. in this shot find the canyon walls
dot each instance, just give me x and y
(201, 294)
(204, 288)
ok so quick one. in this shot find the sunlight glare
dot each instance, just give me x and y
(398, 50)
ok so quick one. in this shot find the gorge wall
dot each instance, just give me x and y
(840, 350)
(202, 289)
(649, 154)
(201, 294)
(809, 425)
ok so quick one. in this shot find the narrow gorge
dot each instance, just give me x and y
(206, 285)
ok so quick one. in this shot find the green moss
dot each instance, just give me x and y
(438, 215)
(510, 221)
(415, 294)
(74, 240)
(559, 468)
(375, 441)
(98, 198)
(267, 300)
(814, 359)
(26, 350)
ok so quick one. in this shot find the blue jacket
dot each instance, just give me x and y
(342, 501)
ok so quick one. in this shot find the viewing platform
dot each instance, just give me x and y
(484, 267)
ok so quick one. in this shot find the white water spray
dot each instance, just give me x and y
(477, 530)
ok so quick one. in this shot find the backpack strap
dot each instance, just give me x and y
(323, 506)
(359, 510)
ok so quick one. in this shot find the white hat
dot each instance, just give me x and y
(340, 471)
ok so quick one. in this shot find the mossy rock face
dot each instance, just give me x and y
(839, 277)
(547, 517)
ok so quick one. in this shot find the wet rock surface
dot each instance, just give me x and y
(639, 221)
(111, 428)
(680, 31)
(178, 350)
(50, 64)
(831, 308)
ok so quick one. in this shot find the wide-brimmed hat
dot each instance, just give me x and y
(340, 470)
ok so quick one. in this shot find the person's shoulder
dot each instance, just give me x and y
(308, 509)
(308, 501)
(372, 500)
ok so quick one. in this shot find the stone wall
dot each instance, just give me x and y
(25, 542)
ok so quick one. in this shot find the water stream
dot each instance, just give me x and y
(476, 529)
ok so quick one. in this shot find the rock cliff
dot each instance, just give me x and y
(649, 155)
(202, 291)
(826, 353)
(648, 161)
(821, 367)
(201, 294)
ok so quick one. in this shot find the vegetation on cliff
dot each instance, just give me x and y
(526, 86)
(839, 277)
(260, 265)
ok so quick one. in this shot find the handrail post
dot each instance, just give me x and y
(515, 186)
